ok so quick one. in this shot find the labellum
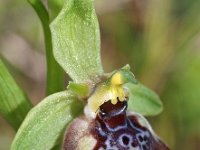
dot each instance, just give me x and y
(111, 126)
(112, 129)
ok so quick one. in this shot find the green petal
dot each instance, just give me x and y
(143, 100)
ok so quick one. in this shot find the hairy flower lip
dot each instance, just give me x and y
(116, 127)
(77, 131)
(78, 135)
(107, 124)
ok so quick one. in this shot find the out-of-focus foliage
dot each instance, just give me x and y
(158, 38)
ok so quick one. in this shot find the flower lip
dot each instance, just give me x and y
(108, 110)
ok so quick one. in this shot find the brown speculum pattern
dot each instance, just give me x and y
(115, 130)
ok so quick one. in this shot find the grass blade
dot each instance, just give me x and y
(14, 105)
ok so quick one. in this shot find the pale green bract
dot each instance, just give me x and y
(143, 100)
(14, 104)
(76, 40)
(46, 122)
(54, 6)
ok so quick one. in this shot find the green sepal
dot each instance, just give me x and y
(76, 41)
(46, 122)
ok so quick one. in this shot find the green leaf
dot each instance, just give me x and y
(46, 122)
(55, 74)
(143, 100)
(14, 105)
(76, 40)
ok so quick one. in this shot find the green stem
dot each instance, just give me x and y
(55, 75)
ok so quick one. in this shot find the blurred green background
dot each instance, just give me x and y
(160, 39)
